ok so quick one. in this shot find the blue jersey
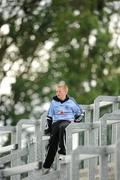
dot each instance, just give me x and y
(64, 110)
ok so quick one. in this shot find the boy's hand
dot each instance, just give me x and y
(79, 118)
(47, 131)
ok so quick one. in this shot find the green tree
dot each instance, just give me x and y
(44, 42)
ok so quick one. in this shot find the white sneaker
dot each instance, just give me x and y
(45, 171)
(62, 157)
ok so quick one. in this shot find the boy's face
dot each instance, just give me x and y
(61, 93)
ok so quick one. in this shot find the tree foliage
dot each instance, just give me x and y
(44, 42)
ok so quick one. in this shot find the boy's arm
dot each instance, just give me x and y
(79, 112)
(48, 128)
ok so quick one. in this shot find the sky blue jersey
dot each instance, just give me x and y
(64, 110)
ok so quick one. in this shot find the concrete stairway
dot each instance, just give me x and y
(111, 173)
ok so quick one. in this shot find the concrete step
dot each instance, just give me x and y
(111, 173)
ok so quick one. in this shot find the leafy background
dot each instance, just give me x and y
(43, 42)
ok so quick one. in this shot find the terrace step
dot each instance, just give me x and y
(111, 173)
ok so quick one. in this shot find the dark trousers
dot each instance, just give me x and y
(57, 138)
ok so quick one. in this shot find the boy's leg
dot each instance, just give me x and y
(62, 137)
(53, 146)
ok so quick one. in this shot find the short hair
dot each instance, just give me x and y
(63, 85)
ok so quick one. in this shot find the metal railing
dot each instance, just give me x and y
(94, 151)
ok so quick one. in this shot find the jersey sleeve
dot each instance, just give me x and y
(79, 113)
(49, 119)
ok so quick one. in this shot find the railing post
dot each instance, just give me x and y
(69, 139)
(115, 127)
(89, 140)
(31, 153)
(14, 162)
(103, 131)
(104, 165)
(74, 168)
(17, 160)
(42, 142)
(38, 142)
(117, 161)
